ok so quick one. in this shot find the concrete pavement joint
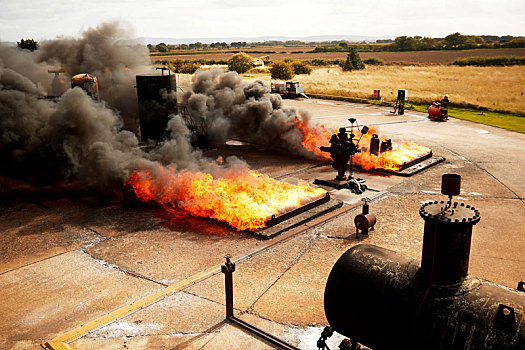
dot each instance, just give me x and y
(461, 195)
(96, 232)
(477, 164)
(130, 336)
(204, 298)
(118, 268)
(254, 313)
(498, 258)
(292, 264)
(36, 262)
(302, 170)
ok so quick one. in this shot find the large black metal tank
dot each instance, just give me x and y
(386, 300)
(373, 296)
(154, 104)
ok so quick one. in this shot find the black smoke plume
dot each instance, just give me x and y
(230, 108)
(45, 141)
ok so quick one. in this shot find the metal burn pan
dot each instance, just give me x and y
(277, 219)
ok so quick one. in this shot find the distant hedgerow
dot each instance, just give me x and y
(490, 61)
(374, 61)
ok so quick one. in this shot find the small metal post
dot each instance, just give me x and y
(366, 206)
(227, 269)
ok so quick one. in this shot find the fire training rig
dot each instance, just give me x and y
(342, 148)
(87, 82)
(386, 300)
(399, 105)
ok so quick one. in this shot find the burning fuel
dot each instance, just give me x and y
(76, 138)
(243, 198)
(393, 157)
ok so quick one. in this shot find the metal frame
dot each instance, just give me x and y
(277, 219)
(417, 160)
(228, 269)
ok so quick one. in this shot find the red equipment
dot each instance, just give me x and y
(438, 110)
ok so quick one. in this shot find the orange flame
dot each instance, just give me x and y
(394, 159)
(244, 199)
(313, 137)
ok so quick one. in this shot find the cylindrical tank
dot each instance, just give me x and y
(386, 146)
(363, 222)
(155, 104)
(374, 296)
(450, 184)
(434, 112)
(374, 144)
(385, 300)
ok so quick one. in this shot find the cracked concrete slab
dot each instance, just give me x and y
(180, 313)
(255, 275)
(167, 256)
(297, 297)
(45, 299)
(279, 290)
(171, 342)
(36, 233)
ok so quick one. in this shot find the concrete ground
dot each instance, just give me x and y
(67, 257)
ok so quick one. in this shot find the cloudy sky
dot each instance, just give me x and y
(253, 18)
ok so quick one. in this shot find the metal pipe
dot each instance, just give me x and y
(228, 269)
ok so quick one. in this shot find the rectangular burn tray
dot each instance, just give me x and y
(414, 167)
(298, 216)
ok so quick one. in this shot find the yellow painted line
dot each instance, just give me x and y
(133, 307)
(53, 345)
(178, 286)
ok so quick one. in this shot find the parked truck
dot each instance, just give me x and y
(289, 89)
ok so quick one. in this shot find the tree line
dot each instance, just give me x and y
(455, 41)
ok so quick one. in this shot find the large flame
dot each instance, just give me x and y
(243, 198)
(395, 159)
(313, 137)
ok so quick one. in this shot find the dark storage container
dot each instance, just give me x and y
(154, 104)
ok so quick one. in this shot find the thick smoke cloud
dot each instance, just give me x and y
(105, 52)
(46, 141)
(74, 137)
(232, 108)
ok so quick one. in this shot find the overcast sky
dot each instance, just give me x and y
(253, 18)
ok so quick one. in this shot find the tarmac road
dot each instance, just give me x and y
(67, 259)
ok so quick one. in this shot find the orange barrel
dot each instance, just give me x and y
(434, 112)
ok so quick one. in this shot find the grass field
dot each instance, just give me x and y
(495, 88)
(500, 120)
(472, 90)
(417, 57)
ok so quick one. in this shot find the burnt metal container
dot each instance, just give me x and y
(386, 300)
(377, 297)
(156, 102)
